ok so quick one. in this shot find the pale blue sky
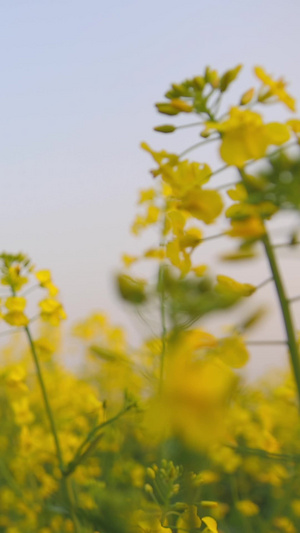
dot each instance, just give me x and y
(78, 84)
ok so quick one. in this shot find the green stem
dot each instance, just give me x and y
(235, 498)
(286, 314)
(294, 299)
(263, 283)
(211, 237)
(45, 398)
(286, 244)
(266, 343)
(284, 305)
(226, 185)
(197, 145)
(65, 484)
(190, 125)
(81, 458)
(161, 283)
(245, 450)
(92, 439)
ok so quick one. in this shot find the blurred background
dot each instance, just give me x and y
(79, 83)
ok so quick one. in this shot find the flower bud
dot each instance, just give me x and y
(166, 128)
(247, 96)
(148, 488)
(150, 473)
(209, 504)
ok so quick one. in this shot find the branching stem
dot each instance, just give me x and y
(88, 445)
(64, 482)
(197, 145)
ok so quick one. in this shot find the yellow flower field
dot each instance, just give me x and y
(165, 435)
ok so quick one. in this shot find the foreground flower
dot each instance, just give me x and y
(245, 136)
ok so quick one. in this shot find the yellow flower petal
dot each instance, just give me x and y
(189, 520)
(210, 523)
(233, 352)
(247, 507)
(251, 228)
(277, 133)
(15, 303)
(16, 318)
(203, 204)
(276, 88)
(43, 276)
(227, 284)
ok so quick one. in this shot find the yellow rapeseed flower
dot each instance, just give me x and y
(232, 351)
(275, 88)
(249, 228)
(284, 524)
(52, 311)
(15, 303)
(45, 279)
(245, 136)
(230, 285)
(14, 279)
(247, 507)
(146, 195)
(16, 318)
(203, 204)
(128, 259)
(189, 520)
(178, 256)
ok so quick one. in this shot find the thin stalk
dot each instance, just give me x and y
(9, 331)
(81, 458)
(263, 283)
(226, 185)
(45, 398)
(161, 283)
(294, 299)
(92, 437)
(245, 450)
(10, 480)
(197, 145)
(211, 237)
(190, 125)
(215, 172)
(235, 499)
(266, 343)
(286, 314)
(286, 244)
(31, 289)
(65, 484)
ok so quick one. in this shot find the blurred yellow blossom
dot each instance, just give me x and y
(52, 311)
(275, 88)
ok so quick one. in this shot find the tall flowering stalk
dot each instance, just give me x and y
(17, 272)
(182, 199)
